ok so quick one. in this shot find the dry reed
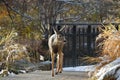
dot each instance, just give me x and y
(110, 46)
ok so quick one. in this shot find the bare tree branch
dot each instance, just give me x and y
(18, 12)
(6, 4)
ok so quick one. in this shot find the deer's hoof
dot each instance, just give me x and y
(60, 71)
(52, 75)
(56, 73)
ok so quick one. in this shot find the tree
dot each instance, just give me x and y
(32, 18)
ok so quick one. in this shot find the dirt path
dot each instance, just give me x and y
(46, 75)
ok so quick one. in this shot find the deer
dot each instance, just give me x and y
(56, 43)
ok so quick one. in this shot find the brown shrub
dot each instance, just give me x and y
(108, 42)
(111, 46)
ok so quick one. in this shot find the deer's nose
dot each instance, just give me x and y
(65, 41)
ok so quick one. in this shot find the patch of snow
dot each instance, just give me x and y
(22, 71)
(112, 68)
(110, 71)
(80, 68)
(11, 74)
(46, 62)
(41, 58)
(107, 67)
(118, 78)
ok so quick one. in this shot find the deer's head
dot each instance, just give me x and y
(59, 36)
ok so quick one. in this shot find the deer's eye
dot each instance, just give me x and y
(60, 36)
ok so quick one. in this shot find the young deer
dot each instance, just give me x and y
(56, 43)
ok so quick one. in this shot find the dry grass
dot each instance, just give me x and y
(92, 59)
(107, 44)
(111, 44)
(10, 50)
(110, 77)
(108, 48)
(92, 78)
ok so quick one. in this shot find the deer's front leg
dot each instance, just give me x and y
(52, 57)
(57, 65)
(61, 62)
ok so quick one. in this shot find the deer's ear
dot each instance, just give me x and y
(54, 30)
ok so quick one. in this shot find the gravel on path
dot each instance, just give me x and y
(46, 75)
